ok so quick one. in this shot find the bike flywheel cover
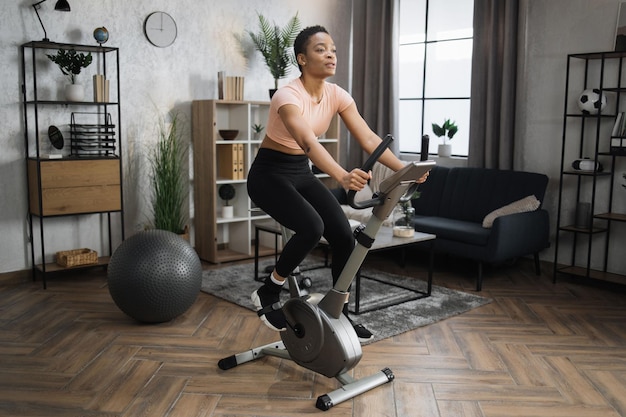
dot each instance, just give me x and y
(304, 336)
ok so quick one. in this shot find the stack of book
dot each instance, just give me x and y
(230, 161)
(100, 89)
(618, 135)
(229, 88)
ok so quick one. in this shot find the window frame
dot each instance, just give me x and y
(423, 101)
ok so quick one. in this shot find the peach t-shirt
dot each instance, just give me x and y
(319, 115)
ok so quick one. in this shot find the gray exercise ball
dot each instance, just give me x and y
(154, 276)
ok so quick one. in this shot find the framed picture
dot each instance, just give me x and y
(620, 31)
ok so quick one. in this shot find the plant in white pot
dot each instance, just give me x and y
(276, 46)
(227, 193)
(71, 63)
(257, 129)
(403, 216)
(447, 129)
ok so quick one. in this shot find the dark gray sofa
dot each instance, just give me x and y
(454, 202)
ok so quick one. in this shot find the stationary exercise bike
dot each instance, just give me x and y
(318, 336)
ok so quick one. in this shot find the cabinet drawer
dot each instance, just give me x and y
(70, 187)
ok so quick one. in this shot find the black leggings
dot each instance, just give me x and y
(284, 187)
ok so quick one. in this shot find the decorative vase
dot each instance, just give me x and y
(74, 92)
(403, 220)
(444, 150)
(227, 212)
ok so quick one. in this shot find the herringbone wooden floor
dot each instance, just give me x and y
(539, 349)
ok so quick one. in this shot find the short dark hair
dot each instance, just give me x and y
(300, 44)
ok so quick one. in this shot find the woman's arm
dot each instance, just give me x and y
(367, 139)
(304, 136)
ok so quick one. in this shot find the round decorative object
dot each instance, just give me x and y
(591, 101)
(228, 134)
(587, 164)
(154, 276)
(101, 35)
(226, 192)
(56, 137)
(403, 231)
(160, 29)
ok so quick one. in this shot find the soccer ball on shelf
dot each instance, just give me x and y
(591, 101)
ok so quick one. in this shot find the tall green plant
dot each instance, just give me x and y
(169, 188)
(275, 44)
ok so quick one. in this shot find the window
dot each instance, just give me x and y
(435, 71)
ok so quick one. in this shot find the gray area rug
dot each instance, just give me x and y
(235, 284)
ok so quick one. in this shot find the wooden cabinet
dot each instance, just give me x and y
(218, 238)
(85, 176)
(585, 240)
(74, 187)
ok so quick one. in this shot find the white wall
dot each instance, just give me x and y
(551, 30)
(153, 81)
(161, 79)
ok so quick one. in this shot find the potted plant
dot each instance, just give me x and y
(71, 63)
(403, 216)
(227, 193)
(275, 44)
(257, 129)
(169, 178)
(447, 129)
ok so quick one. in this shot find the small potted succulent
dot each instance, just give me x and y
(447, 129)
(257, 129)
(71, 63)
(227, 193)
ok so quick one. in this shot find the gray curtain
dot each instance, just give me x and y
(374, 69)
(494, 63)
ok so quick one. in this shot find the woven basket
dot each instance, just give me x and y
(76, 257)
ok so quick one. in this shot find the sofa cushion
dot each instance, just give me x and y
(529, 203)
(452, 229)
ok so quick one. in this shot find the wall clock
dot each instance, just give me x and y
(160, 29)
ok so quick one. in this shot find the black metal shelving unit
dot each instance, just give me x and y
(589, 135)
(38, 104)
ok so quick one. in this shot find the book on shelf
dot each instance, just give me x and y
(100, 89)
(229, 88)
(230, 161)
(220, 85)
(240, 161)
(106, 90)
(618, 146)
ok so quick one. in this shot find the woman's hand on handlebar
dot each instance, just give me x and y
(423, 178)
(355, 179)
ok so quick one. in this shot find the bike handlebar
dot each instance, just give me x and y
(367, 166)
